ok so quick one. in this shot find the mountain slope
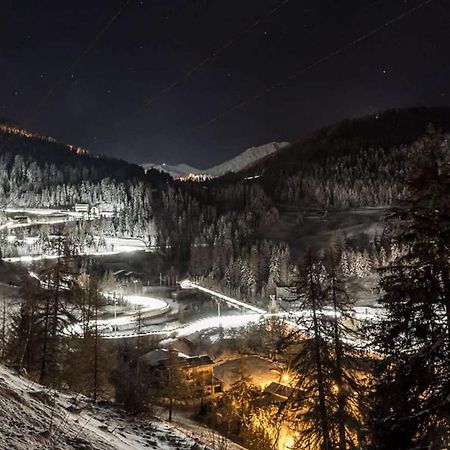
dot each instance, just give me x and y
(392, 128)
(176, 171)
(239, 162)
(39, 161)
(28, 409)
(246, 158)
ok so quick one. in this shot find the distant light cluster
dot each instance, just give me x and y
(78, 150)
(11, 129)
(198, 178)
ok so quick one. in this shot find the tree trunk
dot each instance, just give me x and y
(43, 373)
(319, 368)
(95, 393)
(338, 369)
(444, 269)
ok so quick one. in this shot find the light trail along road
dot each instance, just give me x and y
(227, 321)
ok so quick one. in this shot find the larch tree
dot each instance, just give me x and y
(88, 362)
(57, 279)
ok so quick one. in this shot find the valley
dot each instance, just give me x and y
(207, 299)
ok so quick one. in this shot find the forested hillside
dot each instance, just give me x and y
(310, 223)
(38, 172)
(358, 162)
(242, 231)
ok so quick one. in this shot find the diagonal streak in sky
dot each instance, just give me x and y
(314, 64)
(84, 52)
(214, 54)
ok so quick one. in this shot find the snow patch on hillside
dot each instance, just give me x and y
(245, 159)
(176, 171)
(239, 162)
(33, 417)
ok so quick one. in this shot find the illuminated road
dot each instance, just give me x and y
(186, 284)
(229, 321)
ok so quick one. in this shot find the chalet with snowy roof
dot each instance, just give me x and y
(199, 370)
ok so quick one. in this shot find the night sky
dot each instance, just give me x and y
(57, 78)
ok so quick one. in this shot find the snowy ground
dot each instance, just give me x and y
(261, 371)
(211, 438)
(114, 246)
(38, 217)
(30, 421)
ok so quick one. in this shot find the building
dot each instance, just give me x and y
(82, 207)
(86, 208)
(200, 375)
(129, 276)
(287, 297)
(198, 370)
(278, 392)
(21, 219)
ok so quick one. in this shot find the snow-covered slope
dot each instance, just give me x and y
(245, 158)
(235, 164)
(32, 417)
(179, 170)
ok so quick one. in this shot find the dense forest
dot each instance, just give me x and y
(217, 227)
(37, 172)
(214, 229)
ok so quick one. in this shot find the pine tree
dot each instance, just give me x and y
(134, 397)
(3, 326)
(412, 404)
(329, 374)
(349, 374)
(312, 363)
(174, 386)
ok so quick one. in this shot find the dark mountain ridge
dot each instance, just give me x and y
(76, 163)
(392, 128)
(354, 163)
